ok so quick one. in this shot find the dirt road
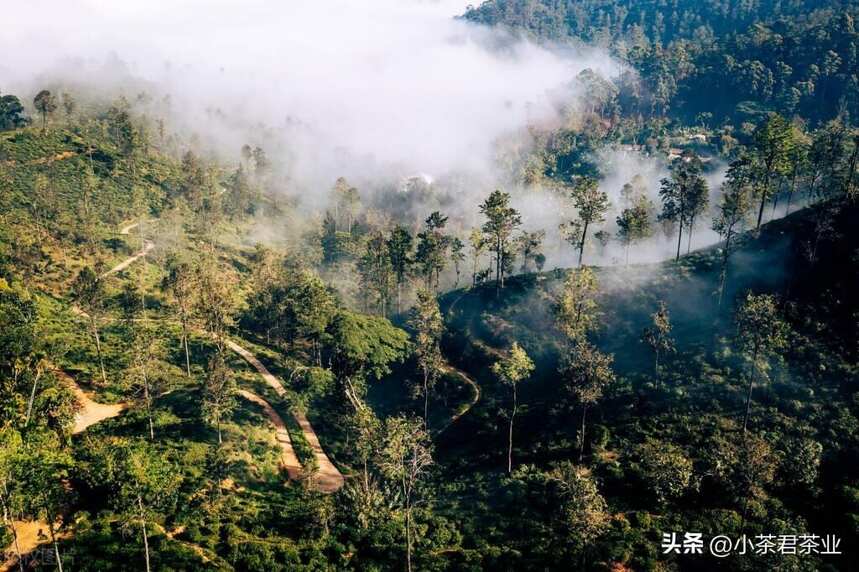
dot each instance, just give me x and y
(327, 478)
(288, 458)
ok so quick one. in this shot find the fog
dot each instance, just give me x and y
(374, 91)
(329, 87)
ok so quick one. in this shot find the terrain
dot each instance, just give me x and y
(635, 322)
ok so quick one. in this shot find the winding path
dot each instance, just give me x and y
(327, 479)
(91, 412)
(288, 458)
(148, 245)
(475, 396)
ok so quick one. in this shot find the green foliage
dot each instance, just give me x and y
(514, 367)
(715, 60)
(658, 336)
(635, 223)
(577, 310)
(11, 113)
(586, 372)
(364, 345)
(667, 471)
(501, 221)
(684, 194)
(428, 324)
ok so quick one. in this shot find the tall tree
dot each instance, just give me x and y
(362, 346)
(852, 163)
(405, 459)
(88, 294)
(699, 200)
(634, 223)
(591, 205)
(774, 141)
(180, 283)
(347, 202)
(477, 242)
(732, 214)
(576, 310)
(512, 369)
(433, 244)
(584, 510)
(682, 192)
(428, 324)
(586, 372)
(762, 333)
(70, 104)
(400, 254)
(658, 336)
(214, 303)
(219, 393)
(501, 221)
(145, 348)
(798, 160)
(457, 256)
(45, 103)
(376, 272)
(11, 448)
(529, 245)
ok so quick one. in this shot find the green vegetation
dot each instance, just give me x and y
(169, 314)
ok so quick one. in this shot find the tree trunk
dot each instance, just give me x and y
(723, 279)
(185, 343)
(98, 349)
(9, 518)
(510, 434)
(54, 541)
(399, 290)
(498, 254)
(582, 244)
(764, 198)
(751, 386)
(32, 398)
(148, 399)
(848, 187)
(426, 397)
(679, 239)
(689, 237)
(143, 529)
(408, 532)
(582, 440)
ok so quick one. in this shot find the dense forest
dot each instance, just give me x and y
(713, 63)
(206, 365)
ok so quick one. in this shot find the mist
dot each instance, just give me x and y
(329, 88)
(377, 92)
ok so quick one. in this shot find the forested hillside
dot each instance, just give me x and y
(711, 62)
(631, 331)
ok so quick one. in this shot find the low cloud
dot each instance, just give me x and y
(333, 87)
